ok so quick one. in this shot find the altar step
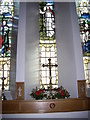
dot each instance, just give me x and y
(80, 115)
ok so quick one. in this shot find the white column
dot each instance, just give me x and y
(32, 48)
(77, 43)
(27, 70)
(20, 63)
(70, 64)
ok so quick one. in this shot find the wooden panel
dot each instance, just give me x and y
(57, 106)
(89, 103)
(19, 90)
(46, 106)
(10, 106)
(81, 88)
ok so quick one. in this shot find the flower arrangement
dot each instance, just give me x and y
(38, 93)
(61, 93)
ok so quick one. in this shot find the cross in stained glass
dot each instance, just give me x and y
(50, 76)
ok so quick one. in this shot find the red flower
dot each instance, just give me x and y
(56, 90)
(63, 93)
(38, 93)
(42, 91)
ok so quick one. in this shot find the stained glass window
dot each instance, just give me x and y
(6, 18)
(83, 11)
(47, 44)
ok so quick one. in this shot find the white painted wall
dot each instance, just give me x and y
(20, 61)
(77, 43)
(65, 48)
(32, 48)
(70, 66)
(27, 68)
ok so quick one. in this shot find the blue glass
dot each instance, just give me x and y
(9, 24)
(85, 15)
(6, 14)
(6, 25)
(50, 1)
(86, 47)
(83, 23)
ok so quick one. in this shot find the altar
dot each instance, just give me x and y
(45, 106)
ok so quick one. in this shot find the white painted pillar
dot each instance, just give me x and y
(27, 68)
(70, 60)
(20, 63)
(77, 43)
(32, 72)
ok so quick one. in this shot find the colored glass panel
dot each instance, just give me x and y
(83, 11)
(6, 18)
(47, 44)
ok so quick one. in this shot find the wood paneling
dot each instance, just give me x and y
(89, 103)
(10, 106)
(45, 106)
(19, 90)
(81, 88)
